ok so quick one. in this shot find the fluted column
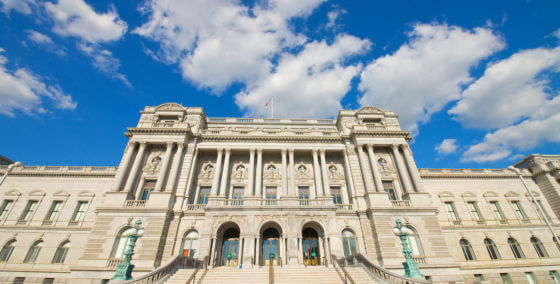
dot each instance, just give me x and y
(376, 174)
(164, 167)
(135, 168)
(225, 173)
(176, 167)
(412, 168)
(293, 190)
(401, 168)
(317, 173)
(349, 180)
(251, 177)
(119, 180)
(326, 185)
(284, 173)
(364, 167)
(189, 187)
(258, 180)
(217, 171)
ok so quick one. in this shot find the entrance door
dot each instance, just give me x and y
(270, 246)
(311, 247)
(230, 248)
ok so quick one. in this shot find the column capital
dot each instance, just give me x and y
(142, 143)
(322, 151)
(284, 150)
(291, 151)
(228, 150)
(259, 150)
(181, 144)
(169, 143)
(314, 151)
(359, 146)
(252, 150)
(395, 147)
(370, 146)
(220, 150)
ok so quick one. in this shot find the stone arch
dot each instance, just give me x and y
(271, 224)
(224, 226)
(316, 225)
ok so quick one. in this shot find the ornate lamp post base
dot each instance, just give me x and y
(124, 271)
(411, 269)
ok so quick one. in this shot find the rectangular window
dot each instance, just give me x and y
(80, 211)
(336, 194)
(238, 195)
(28, 211)
(543, 210)
(531, 277)
(203, 195)
(270, 195)
(54, 211)
(6, 207)
(450, 208)
(388, 187)
(518, 210)
(497, 210)
(303, 195)
(505, 278)
(473, 208)
(478, 277)
(555, 277)
(148, 187)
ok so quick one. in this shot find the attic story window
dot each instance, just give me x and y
(371, 120)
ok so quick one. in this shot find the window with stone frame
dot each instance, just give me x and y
(54, 210)
(389, 188)
(473, 209)
(80, 211)
(518, 209)
(467, 249)
(539, 247)
(61, 252)
(271, 195)
(33, 252)
(7, 250)
(336, 194)
(29, 210)
(492, 249)
(203, 194)
(451, 211)
(515, 248)
(497, 210)
(148, 187)
(5, 209)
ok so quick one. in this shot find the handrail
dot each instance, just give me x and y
(381, 273)
(341, 265)
(165, 270)
(200, 264)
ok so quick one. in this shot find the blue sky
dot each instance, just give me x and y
(476, 82)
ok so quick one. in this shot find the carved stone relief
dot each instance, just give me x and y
(271, 171)
(302, 172)
(334, 171)
(239, 171)
(153, 163)
(207, 171)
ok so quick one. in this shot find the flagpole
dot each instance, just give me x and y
(272, 106)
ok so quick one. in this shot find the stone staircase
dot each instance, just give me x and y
(319, 275)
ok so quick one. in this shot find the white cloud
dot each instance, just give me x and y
(426, 73)
(76, 18)
(333, 16)
(447, 146)
(509, 90)
(38, 37)
(309, 84)
(103, 60)
(22, 90)
(22, 6)
(219, 42)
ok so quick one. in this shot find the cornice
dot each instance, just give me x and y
(62, 171)
(258, 138)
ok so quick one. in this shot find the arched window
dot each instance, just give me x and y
(33, 252)
(7, 250)
(467, 250)
(492, 249)
(190, 244)
(348, 242)
(61, 252)
(515, 248)
(414, 242)
(121, 242)
(539, 247)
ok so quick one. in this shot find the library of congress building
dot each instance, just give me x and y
(257, 200)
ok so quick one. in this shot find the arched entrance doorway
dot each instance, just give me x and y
(270, 246)
(230, 248)
(310, 245)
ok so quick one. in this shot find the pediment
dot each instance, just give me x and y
(446, 194)
(37, 193)
(86, 193)
(468, 194)
(13, 192)
(511, 194)
(370, 110)
(61, 193)
(170, 106)
(535, 194)
(490, 194)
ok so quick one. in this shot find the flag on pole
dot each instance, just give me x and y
(268, 102)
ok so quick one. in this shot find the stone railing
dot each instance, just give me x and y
(420, 259)
(294, 202)
(340, 263)
(471, 172)
(344, 207)
(61, 170)
(401, 203)
(195, 207)
(113, 261)
(379, 273)
(327, 133)
(269, 120)
(135, 203)
(165, 271)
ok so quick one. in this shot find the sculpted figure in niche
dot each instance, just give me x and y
(239, 171)
(153, 164)
(271, 172)
(383, 165)
(207, 171)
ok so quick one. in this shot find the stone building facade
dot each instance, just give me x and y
(241, 190)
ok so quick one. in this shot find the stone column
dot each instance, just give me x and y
(258, 263)
(258, 180)
(376, 174)
(135, 168)
(412, 168)
(317, 173)
(326, 185)
(225, 174)
(217, 171)
(164, 167)
(401, 169)
(293, 190)
(251, 181)
(349, 179)
(119, 180)
(176, 167)
(213, 251)
(188, 188)
(365, 172)
(284, 173)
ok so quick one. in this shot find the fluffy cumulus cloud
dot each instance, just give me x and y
(24, 91)
(22, 6)
(75, 18)
(427, 72)
(514, 96)
(38, 37)
(219, 42)
(310, 83)
(447, 146)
